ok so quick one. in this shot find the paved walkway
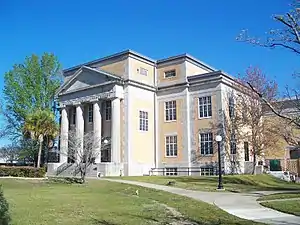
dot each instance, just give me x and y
(242, 205)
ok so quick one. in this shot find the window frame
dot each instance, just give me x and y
(207, 171)
(168, 72)
(107, 110)
(233, 147)
(209, 141)
(170, 111)
(171, 146)
(231, 107)
(171, 171)
(145, 70)
(90, 113)
(143, 121)
(205, 107)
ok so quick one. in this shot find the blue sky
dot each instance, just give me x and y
(80, 31)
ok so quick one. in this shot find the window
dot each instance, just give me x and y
(171, 145)
(170, 110)
(231, 107)
(106, 154)
(206, 143)
(246, 149)
(171, 171)
(90, 113)
(204, 107)
(232, 144)
(74, 115)
(207, 171)
(143, 121)
(108, 110)
(170, 73)
(143, 71)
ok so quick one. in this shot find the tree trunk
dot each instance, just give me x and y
(39, 155)
(254, 163)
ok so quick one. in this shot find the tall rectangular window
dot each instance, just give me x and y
(108, 110)
(204, 104)
(170, 73)
(73, 115)
(231, 107)
(143, 121)
(206, 143)
(90, 113)
(232, 144)
(170, 110)
(171, 145)
(246, 149)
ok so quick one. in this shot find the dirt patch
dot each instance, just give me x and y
(175, 217)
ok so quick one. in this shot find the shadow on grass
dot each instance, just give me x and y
(102, 222)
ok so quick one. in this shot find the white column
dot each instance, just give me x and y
(79, 128)
(97, 119)
(115, 130)
(64, 132)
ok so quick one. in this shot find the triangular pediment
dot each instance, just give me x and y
(86, 77)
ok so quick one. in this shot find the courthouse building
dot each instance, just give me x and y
(156, 113)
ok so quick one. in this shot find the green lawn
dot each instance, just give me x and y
(237, 183)
(279, 196)
(102, 202)
(289, 206)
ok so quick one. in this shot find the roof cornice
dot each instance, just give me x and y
(120, 55)
(186, 57)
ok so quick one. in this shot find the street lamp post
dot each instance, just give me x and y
(218, 140)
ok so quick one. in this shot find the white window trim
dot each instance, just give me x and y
(170, 71)
(171, 173)
(169, 121)
(165, 145)
(142, 68)
(198, 103)
(142, 110)
(211, 154)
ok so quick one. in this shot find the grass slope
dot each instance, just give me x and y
(101, 202)
(238, 183)
(279, 196)
(289, 206)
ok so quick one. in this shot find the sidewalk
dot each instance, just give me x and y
(243, 205)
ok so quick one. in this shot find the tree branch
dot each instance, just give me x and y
(291, 120)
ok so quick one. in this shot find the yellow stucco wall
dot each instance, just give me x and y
(134, 73)
(170, 128)
(161, 73)
(117, 68)
(142, 142)
(204, 125)
(192, 69)
(279, 149)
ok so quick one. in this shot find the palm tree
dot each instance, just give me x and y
(40, 124)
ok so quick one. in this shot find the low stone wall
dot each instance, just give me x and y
(94, 170)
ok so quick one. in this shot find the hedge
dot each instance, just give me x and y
(22, 171)
(4, 209)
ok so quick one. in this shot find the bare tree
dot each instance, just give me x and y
(287, 37)
(83, 151)
(260, 134)
(10, 153)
